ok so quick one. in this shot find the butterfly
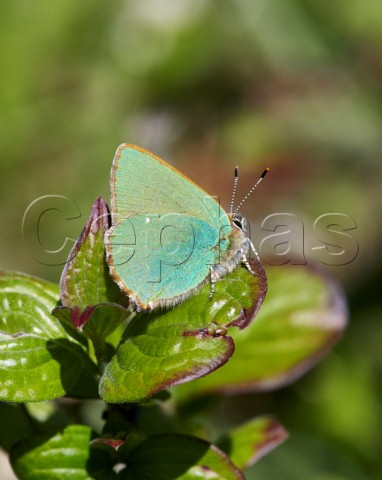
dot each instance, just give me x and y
(168, 237)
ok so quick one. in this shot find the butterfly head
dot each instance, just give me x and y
(241, 223)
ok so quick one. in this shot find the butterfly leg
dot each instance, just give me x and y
(244, 259)
(214, 277)
(253, 249)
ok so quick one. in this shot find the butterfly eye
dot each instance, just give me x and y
(241, 223)
(238, 224)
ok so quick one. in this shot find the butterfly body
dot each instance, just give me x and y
(168, 236)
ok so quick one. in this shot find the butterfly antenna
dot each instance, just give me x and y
(236, 179)
(252, 189)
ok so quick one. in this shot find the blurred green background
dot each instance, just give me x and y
(295, 85)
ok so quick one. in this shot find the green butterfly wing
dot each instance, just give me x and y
(143, 183)
(166, 232)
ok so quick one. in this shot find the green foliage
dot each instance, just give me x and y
(163, 349)
(39, 360)
(166, 457)
(303, 315)
(63, 455)
(295, 84)
(248, 442)
(49, 350)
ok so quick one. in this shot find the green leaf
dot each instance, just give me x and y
(303, 316)
(93, 303)
(249, 442)
(16, 424)
(252, 296)
(103, 319)
(85, 279)
(162, 349)
(38, 360)
(180, 457)
(61, 455)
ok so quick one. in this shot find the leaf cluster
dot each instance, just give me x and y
(81, 340)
